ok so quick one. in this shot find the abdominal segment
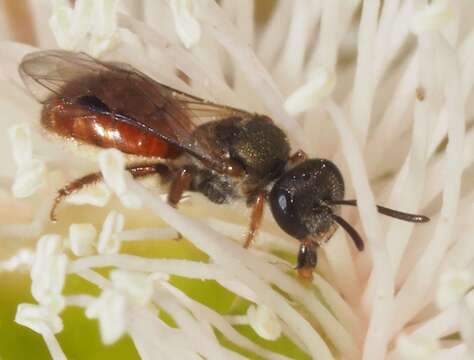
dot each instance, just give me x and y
(103, 130)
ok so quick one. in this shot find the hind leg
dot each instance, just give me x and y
(137, 171)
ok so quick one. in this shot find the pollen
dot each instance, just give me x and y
(48, 272)
(31, 173)
(38, 318)
(453, 285)
(110, 310)
(81, 239)
(108, 243)
(264, 322)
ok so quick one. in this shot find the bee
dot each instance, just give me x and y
(224, 153)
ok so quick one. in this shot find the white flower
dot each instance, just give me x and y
(397, 122)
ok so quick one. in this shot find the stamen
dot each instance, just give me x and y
(109, 244)
(91, 25)
(48, 272)
(97, 195)
(110, 310)
(187, 26)
(81, 239)
(138, 286)
(23, 259)
(112, 166)
(31, 173)
(264, 322)
(29, 179)
(310, 94)
(417, 348)
(435, 15)
(60, 22)
(36, 317)
(20, 139)
(453, 285)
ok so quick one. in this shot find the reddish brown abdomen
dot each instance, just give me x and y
(72, 121)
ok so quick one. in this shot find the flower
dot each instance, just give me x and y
(381, 88)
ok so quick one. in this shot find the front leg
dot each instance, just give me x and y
(255, 219)
(297, 158)
(307, 258)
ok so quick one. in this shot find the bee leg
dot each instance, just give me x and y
(298, 157)
(306, 259)
(179, 185)
(255, 219)
(137, 171)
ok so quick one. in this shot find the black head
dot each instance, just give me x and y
(302, 199)
(305, 202)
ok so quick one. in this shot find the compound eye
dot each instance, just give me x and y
(283, 206)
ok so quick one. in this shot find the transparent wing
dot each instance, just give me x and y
(129, 96)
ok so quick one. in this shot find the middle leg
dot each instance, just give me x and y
(256, 219)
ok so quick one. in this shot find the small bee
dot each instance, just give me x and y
(224, 153)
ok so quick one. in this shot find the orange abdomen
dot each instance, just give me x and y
(72, 121)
